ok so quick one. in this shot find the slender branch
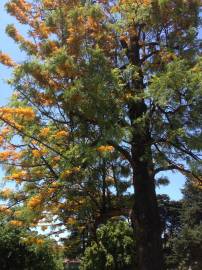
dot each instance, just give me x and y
(174, 166)
(32, 137)
(164, 168)
(46, 163)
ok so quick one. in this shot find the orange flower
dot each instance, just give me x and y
(34, 201)
(6, 193)
(19, 9)
(105, 148)
(49, 3)
(4, 209)
(61, 134)
(5, 131)
(110, 180)
(55, 185)
(16, 223)
(1, 140)
(39, 241)
(67, 173)
(9, 155)
(24, 5)
(44, 30)
(28, 112)
(44, 132)
(6, 60)
(5, 155)
(17, 176)
(37, 153)
(34, 240)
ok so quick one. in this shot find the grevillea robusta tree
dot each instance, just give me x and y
(109, 95)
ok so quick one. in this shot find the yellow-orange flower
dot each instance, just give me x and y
(1, 140)
(17, 213)
(61, 134)
(34, 240)
(39, 241)
(5, 155)
(16, 223)
(45, 131)
(67, 173)
(37, 153)
(48, 3)
(18, 176)
(5, 131)
(27, 113)
(71, 221)
(6, 60)
(9, 155)
(34, 201)
(6, 193)
(4, 209)
(105, 148)
(110, 180)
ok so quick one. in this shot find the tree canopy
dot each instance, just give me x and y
(21, 248)
(108, 97)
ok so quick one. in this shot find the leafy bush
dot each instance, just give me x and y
(113, 249)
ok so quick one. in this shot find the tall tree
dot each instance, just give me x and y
(106, 84)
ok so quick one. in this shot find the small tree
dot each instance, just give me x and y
(113, 248)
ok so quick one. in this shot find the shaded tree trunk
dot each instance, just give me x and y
(146, 218)
(145, 214)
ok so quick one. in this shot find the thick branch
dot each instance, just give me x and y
(174, 166)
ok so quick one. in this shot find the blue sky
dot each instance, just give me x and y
(8, 46)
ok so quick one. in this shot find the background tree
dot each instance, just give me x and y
(113, 248)
(186, 245)
(106, 82)
(170, 213)
(20, 249)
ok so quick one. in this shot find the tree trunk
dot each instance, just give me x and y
(146, 220)
(145, 215)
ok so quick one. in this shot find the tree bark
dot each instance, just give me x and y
(145, 215)
(146, 218)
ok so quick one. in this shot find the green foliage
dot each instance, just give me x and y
(16, 254)
(188, 248)
(114, 248)
(182, 229)
(187, 245)
(122, 81)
